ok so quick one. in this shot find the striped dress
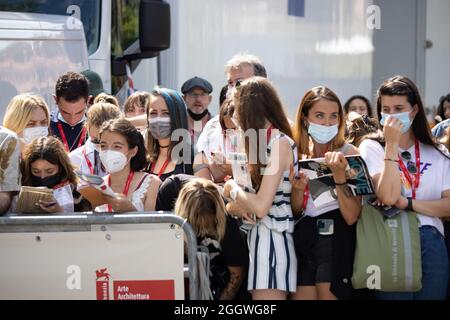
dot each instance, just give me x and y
(273, 263)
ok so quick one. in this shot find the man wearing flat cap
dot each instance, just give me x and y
(196, 93)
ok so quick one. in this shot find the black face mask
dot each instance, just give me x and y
(196, 116)
(48, 182)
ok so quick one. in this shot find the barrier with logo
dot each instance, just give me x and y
(96, 256)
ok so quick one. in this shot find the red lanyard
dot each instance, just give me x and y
(413, 182)
(269, 133)
(88, 162)
(64, 139)
(60, 185)
(305, 197)
(163, 168)
(125, 189)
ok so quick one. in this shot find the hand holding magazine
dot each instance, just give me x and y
(321, 183)
(241, 175)
(29, 198)
(94, 189)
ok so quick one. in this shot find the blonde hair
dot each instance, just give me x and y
(106, 98)
(101, 112)
(140, 98)
(201, 204)
(19, 110)
(301, 136)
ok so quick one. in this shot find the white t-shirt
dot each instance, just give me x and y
(211, 138)
(434, 177)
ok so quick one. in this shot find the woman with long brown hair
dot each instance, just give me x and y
(325, 257)
(45, 163)
(271, 152)
(411, 172)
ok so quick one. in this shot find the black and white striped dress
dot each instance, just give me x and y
(273, 263)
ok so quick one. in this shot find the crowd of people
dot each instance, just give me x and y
(235, 176)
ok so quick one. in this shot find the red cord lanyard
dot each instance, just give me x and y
(125, 189)
(414, 182)
(64, 139)
(163, 168)
(88, 162)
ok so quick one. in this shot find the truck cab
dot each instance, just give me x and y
(41, 40)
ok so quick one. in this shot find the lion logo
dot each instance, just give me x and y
(102, 273)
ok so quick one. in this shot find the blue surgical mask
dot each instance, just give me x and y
(322, 134)
(403, 117)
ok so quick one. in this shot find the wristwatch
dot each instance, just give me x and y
(409, 207)
(234, 192)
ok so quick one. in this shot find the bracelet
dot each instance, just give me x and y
(387, 159)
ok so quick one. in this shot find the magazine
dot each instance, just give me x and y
(30, 196)
(94, 189)
(240, 169)
(321, 184)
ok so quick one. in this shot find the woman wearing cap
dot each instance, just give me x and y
(411, 172)
(169, 148)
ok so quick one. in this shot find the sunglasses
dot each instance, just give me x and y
(411, 166)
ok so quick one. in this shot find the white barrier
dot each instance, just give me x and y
(105, 257)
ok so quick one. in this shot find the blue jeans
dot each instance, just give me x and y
(435, 269)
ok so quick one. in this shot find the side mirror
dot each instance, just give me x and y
(154, 25)
(118, 66)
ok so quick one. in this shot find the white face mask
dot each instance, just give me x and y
(29, 134)
(113, 161)
(322, 134)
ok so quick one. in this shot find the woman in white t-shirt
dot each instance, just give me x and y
(324, 237)
(218, 139)
(411, 172)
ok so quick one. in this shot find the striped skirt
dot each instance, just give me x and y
(273, 263)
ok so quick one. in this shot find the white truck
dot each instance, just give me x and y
(347, 45)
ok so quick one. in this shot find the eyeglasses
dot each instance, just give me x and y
(237, 84)
(197, 95)
(411, 166)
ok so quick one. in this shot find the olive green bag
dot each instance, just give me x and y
(388, 254)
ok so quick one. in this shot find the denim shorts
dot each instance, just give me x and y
(435, 269)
